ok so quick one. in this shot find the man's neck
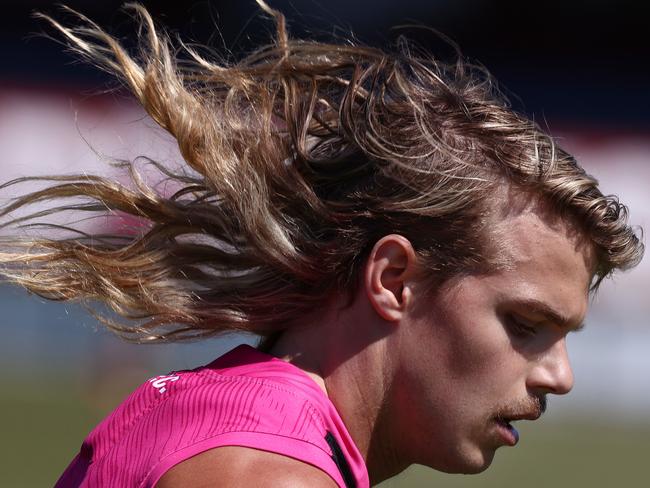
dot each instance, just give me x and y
(345, 354)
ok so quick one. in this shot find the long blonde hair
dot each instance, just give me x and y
(301, 155)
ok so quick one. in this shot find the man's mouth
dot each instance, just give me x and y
(528, 410)
(508, 432)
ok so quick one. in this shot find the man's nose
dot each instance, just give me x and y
(552, 372)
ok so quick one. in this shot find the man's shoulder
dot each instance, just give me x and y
(234, 466)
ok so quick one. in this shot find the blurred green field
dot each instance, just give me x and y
(566, 454)
(44, 423)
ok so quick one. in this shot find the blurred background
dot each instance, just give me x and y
(581, 69)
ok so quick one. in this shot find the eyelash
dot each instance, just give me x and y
(519, 329)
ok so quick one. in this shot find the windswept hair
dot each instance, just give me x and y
(300, 157)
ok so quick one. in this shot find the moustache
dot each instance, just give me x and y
(526, 409)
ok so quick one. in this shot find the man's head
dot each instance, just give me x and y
(482, 350)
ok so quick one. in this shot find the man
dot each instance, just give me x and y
(412, 250)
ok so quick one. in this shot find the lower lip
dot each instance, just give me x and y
(508, 433)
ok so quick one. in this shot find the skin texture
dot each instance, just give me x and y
(422, 377)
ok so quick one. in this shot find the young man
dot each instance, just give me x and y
(413, 252)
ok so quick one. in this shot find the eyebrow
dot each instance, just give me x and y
(539, 307)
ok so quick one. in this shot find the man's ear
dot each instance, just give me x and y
(387, 276)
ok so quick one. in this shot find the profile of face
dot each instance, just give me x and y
(484, 351)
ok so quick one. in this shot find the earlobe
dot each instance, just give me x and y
(389, 269)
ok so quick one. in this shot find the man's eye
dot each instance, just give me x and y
(520, 328)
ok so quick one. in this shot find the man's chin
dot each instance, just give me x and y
(470, 464)
(476, 469)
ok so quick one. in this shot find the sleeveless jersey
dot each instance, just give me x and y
(245, 398)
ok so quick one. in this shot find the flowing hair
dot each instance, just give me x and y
(299, 157)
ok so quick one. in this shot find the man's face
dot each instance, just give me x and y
(484, 351)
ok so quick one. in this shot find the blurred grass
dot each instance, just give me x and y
(568, 453)
(45, 422)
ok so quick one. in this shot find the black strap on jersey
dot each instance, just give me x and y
(340, 461)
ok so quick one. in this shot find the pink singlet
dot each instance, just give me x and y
(244, 398)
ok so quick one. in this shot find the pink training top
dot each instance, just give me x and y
(244, 398)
